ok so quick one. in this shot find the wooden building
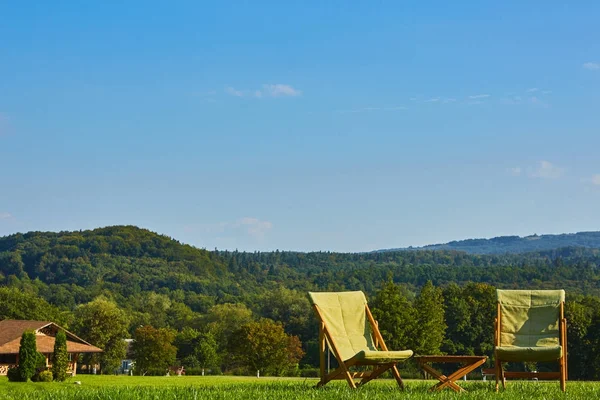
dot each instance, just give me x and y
(45, 331)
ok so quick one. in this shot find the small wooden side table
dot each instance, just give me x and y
(467, 363)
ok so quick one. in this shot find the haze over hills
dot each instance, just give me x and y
(515, 244)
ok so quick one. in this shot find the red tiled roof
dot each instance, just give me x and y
(11, 331)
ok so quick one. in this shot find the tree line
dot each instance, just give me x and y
(204, 303)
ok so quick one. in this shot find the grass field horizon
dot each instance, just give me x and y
(226, 387)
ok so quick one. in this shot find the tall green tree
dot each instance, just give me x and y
(264, 346)
(29, 358)
(60, 357)
(102, 323)
(197, 349)
(430, 325)
(153, 348)
(395, 316)
(222, 321)
(206, 352)
(291, 308)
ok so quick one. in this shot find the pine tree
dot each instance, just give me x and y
(430, 326)
(60, 358)
(395, 316)
(28, 356)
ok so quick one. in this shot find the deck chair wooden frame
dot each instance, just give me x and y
(343, 371)
(562, 375)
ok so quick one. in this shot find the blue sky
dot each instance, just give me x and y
(343, 126)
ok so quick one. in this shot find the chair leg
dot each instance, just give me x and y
(563, 375)
(498, 368)
(397, 376)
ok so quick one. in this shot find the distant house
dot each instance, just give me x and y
(45, 331)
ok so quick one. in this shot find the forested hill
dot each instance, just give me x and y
(517, 244)
(126, 262)
(157, 281)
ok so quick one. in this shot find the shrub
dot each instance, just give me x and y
(309, 372)
(29, 358)
(14, 375)
(44, 376)
(60, 358)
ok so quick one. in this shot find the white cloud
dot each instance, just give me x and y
(546, 170)
(5, 215)
(268, 90)
(532, 90)
(369, 109)
(432, 100)
(232, 91)
(479, 96)
(280, 90)
(595, 180)
(515, 171)
(536, 101)
(254, 226)
(592, 66)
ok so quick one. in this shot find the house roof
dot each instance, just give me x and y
(11, 331)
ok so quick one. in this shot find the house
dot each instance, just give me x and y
(45, 331)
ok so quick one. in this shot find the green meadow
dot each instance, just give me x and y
(227, 387)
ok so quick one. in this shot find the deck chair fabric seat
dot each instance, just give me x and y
(541, 354)
(530, 327)
(377, 356)
(348, 327)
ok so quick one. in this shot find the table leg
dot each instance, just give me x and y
(442, 378)
(459, 374)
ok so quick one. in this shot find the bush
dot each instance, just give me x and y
(60, 358)
(29, 358)
(44, 376)
(309, 372)
(14, 375)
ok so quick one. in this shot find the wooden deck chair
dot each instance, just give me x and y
(347, 326)
(531, 327)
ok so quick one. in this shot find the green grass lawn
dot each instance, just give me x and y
(227, 387)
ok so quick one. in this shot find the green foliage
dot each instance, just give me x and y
(206, 352)
(395, 315)
(24, 304)
(45, 376)
(29, 358)
(197, 349)
(263, 345)
(516, 244)
(153, 349)
(430, 325)
(102, 323)
(14, 375)
(470, 312)
(150, 279)
(222, 321)
(60, 357)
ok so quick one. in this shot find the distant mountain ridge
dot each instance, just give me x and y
(515, 244)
